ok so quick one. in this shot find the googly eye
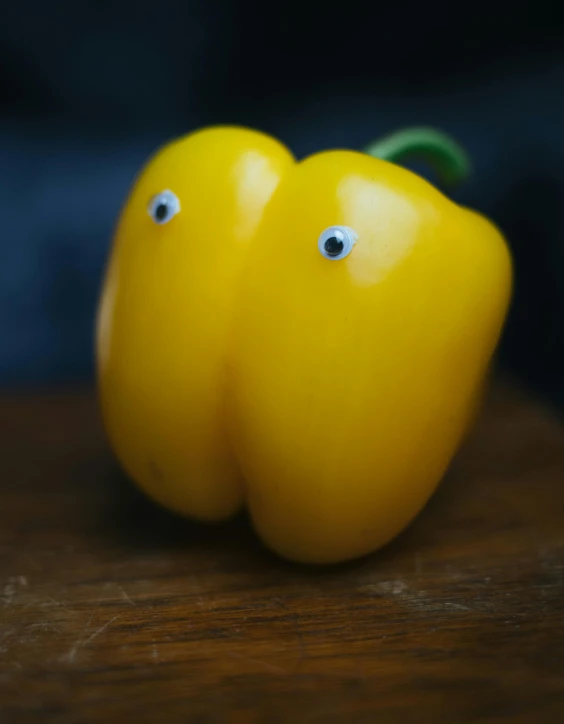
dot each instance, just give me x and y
(162, 207)
(337, 242)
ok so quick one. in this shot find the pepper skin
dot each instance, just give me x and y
(241, 360)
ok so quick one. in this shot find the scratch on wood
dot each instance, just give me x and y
(45, 626)
(269, 667)
(396, 588)
(99, 631)
(48, 602)
(457, 606)
(125, 596)
(11, 588)
(81, 643)
(417, 599)
(70, 657)
(4, 636)
(8, 593)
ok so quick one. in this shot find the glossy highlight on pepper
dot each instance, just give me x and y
(309, 339)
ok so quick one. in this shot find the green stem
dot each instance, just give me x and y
(441, 152)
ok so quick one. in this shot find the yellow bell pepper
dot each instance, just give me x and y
(309, 339)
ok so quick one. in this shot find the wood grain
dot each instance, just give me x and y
(113, 610)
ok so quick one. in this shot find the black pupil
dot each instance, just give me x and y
(161, 211)
(333, 246)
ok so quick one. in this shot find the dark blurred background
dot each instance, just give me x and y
(89, 89)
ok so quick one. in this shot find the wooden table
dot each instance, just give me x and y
(113, 610)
